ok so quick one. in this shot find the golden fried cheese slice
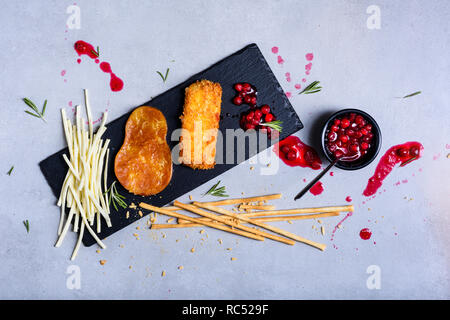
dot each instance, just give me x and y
(199, 123)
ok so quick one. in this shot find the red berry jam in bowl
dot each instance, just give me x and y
(353, 137)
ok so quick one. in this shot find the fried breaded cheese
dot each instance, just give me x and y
(199, 123)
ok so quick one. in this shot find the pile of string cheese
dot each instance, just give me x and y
(82, 190)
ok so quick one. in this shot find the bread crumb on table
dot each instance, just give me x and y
(102, 262)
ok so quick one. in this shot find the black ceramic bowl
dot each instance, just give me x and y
(372, 152)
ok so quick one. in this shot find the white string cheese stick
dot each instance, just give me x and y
(77, 246)
(105, 176)
(88, 112)
(63, 204)
(66, 227)
(83, 216)
(71, 168)
(68, 174)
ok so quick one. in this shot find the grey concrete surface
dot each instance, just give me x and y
(357, 66)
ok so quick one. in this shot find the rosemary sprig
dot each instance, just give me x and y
(36, 113)
(276, 125)
(313, 87)
(26, 223)
(412, 94)
(410, 160)
(164, 78)
(114, 197)
(217, 192)
(10, 171)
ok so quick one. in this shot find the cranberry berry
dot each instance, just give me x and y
(246, 93)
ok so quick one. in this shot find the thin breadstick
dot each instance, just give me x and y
(302, 217)
(297, 211)
(248, 206)
(242, 200)
(206, 223)
(262, 225)
(270, 219)
(232, 223)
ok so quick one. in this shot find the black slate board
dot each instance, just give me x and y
(246, 65)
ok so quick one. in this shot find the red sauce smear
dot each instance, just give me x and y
(402, 153)
(115, 83)
(294, 153)
(365, 234)
(348, 199)
(317, 188)
(84, 48)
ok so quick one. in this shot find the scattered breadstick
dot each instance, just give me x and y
(262, 225)
(187, 224)
(299, 211)
(243, 200)
(206, 223)
(256, 207)
(218, 218)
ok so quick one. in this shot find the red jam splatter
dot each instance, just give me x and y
(115, 83)
(280, 60)
(309, 56)
(275, 50)
(365, 234)
(294, 152)
(84, 48)
(348, 199)
(332, 173)
(288, 76)
(317, 188)
(78, 60)
(402, 153)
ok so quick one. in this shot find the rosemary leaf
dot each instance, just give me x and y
(412, 94)
(26, 223)
(217, 192)
(43, 108)
(276, 125)
(31, 113)
(164, 78)
(10, 171)
(313, 87)
(409, 161)
(30, 103)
